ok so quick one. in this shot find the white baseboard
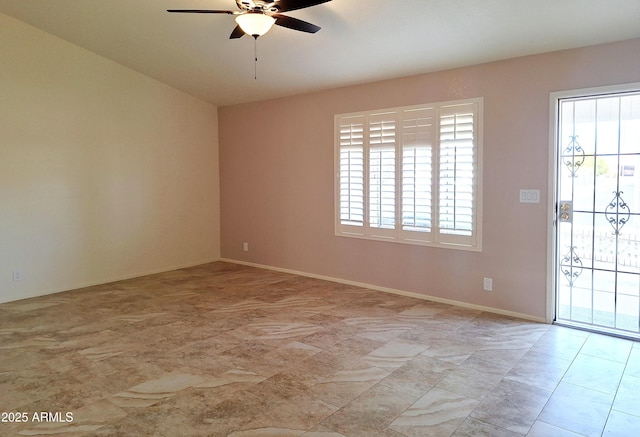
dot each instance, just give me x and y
(293, 272)
(17, 297)
(394, 291)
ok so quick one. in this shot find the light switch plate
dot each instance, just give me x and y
(529, 196)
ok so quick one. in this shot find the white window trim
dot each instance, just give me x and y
(398, 235)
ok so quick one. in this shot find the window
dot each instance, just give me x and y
(411, 174)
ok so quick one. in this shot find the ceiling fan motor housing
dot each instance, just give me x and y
(258, 5)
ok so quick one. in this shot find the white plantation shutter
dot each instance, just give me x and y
(457, 172)
(411, 174)
(382, 171)
(417, 146)
(351, 161)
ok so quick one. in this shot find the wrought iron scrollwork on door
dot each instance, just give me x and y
(571, 266)
(576, 159)
(617, 212)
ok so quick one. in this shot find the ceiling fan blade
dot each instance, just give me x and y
(295, 24)
(202, 11)
(292, 5)
(237, 33)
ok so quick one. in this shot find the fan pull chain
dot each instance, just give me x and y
(255, 55)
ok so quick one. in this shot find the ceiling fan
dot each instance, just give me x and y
(256, 17)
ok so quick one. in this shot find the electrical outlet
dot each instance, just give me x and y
(245, 246)
(17, 276)
(488, 284)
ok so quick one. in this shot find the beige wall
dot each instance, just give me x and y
(276, 161)
(104, 173)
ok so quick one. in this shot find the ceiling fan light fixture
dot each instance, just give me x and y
(255, 23)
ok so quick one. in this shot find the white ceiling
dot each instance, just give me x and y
(360, 41)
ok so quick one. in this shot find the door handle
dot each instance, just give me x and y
(566, 211)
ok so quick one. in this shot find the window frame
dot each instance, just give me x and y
(434, 237)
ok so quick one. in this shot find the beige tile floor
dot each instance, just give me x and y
(228, 350)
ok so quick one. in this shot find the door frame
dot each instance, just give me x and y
(554, 97)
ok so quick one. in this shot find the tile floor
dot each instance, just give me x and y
(228, 350)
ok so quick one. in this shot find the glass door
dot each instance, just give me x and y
(597, 251)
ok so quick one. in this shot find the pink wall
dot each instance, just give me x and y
(277, 185)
